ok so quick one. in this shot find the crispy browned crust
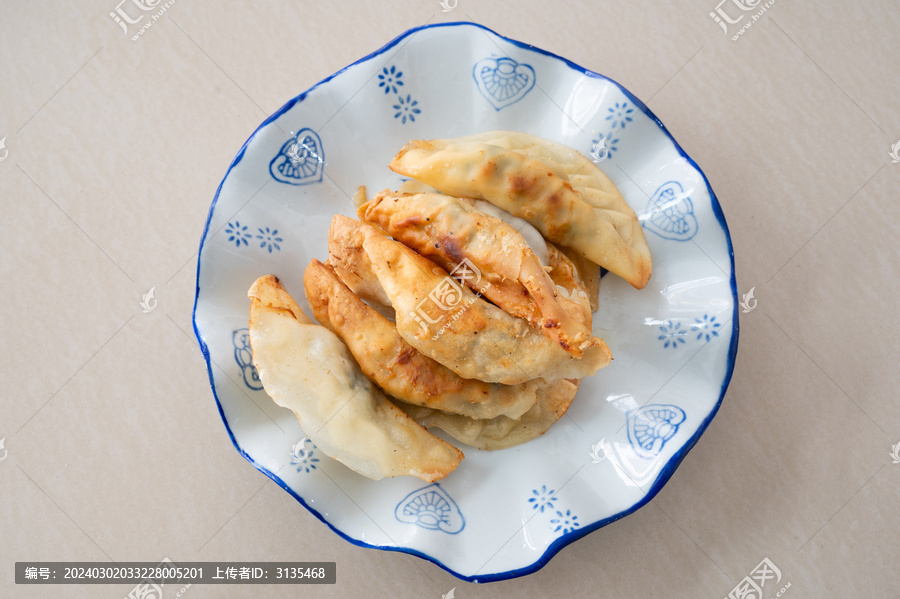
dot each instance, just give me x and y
(350, 262)
(509, 351)
(592, 218)
(268, 291)
(448, 231)
(398, 368)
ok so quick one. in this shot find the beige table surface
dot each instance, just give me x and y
(114, 449)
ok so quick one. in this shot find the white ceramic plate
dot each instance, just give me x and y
(506, 513)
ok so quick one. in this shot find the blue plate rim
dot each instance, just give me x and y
(564, 540)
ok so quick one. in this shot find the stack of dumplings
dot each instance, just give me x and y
(462, 301)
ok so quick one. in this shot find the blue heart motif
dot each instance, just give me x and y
(301, 160)
(651, 426)
(243, 355)
(671, 213)
(431, 508)
(503, 81)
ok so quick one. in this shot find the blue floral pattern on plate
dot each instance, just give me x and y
(672, 334)
(542, 499)
(650, 427)
(243, 355)
(545, 499)
(432, 508)
(706, 327)
(503, 81)
(605, 144)
(671, 213)
(303, 454)
(390, 79)
(301, 160)
(620, 115)
(406, 109)
(564, 522)
(270, 239)
(238, 233)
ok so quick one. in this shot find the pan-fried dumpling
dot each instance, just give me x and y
(535, 240)
(588, 273)
(350, 262)
(475, 339)
(502, 432)
(398, 368)
(451, 231)
(304, 367)
(569, 164)
(569, 283)
(591, 219)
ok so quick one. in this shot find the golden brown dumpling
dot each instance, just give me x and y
(399, 368)
(451, 231)
(580, 208)
(472, 337)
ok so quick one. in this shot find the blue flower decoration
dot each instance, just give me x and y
(237, 233)
(672, 334)
(406, 109)
(565, 522)
(706, 327)
(390, 79)
(269, 239)
(542, 499)
(620, 115)
(603, 147)
(303, 454)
